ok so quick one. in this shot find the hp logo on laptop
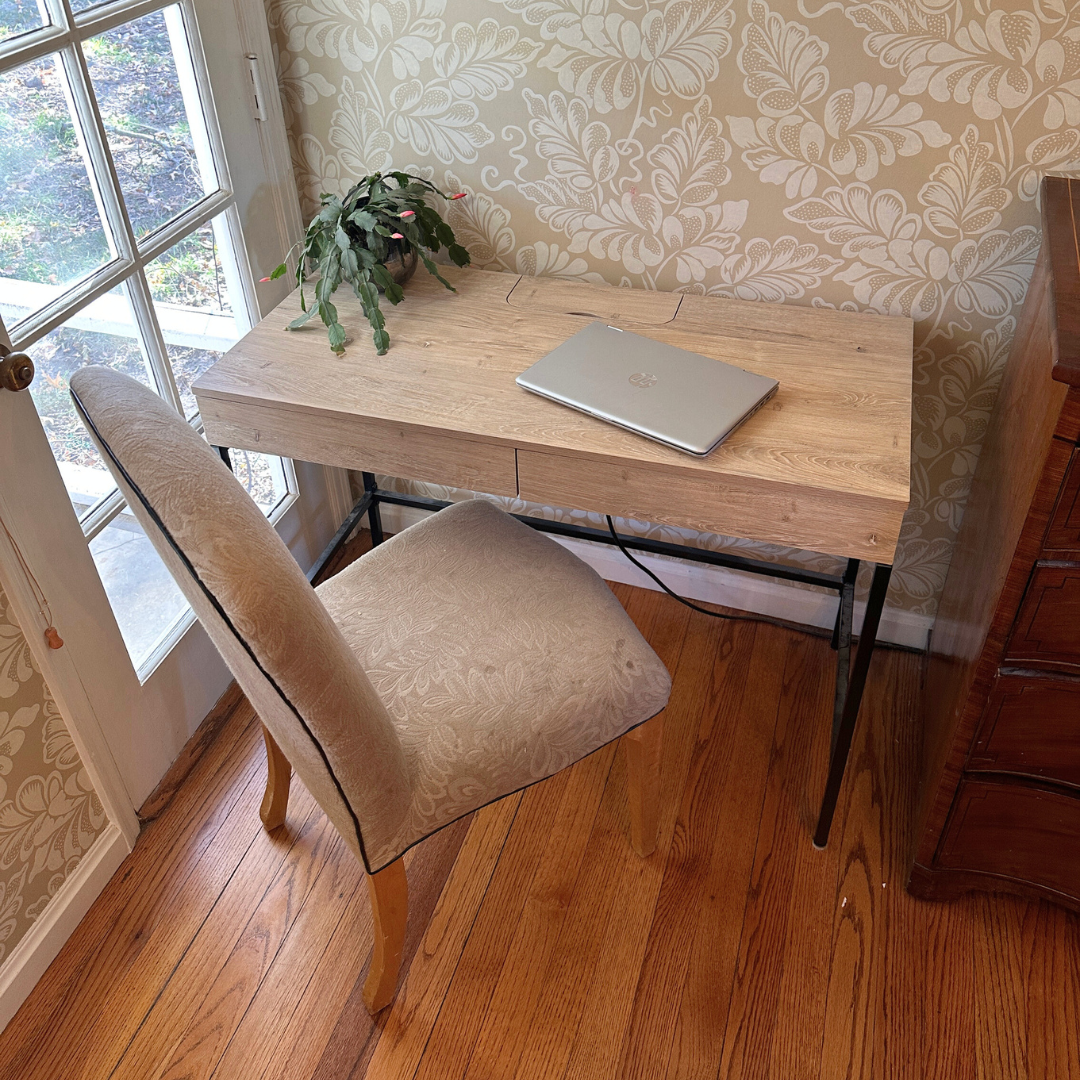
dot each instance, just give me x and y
(643, 379)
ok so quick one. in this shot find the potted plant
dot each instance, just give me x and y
(372, 238)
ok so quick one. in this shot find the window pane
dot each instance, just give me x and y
(50, 230)
(18, 16)
(263, 477)
(102, 333)
(191, 298)
(142, 593)
(146, 94)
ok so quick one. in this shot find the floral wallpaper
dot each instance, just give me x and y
(49, 813)
(873, 156)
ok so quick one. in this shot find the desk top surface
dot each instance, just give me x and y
(839, 424)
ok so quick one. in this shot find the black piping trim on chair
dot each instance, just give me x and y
(225, 618)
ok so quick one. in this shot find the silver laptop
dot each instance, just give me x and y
(678, 398)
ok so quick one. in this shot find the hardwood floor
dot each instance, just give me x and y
(541, 946)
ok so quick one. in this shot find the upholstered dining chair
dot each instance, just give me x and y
(459, 661)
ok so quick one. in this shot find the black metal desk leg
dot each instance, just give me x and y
(879, 586)
(842, 643)
(373, 516)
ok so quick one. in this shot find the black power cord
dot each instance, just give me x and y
(811, 631)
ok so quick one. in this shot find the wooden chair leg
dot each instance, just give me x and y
(278, 773)
(390, 910)
(644, 746)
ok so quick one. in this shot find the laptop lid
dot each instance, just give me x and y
(677, 397)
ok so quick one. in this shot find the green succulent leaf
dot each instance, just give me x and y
(381, 275)
(459, 256)
(336, 333)
(444, 233)
(433, 270)
(394, 292)
(301, 319)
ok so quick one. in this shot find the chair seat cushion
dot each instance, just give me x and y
(500, 656)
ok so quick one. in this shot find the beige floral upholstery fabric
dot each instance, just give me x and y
(501, 657)
(497, 656)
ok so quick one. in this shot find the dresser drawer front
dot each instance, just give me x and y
(1017, 831)
(1064, 533)
(1047, 630)
(1031, 727)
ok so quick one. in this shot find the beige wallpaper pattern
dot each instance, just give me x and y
(878, 156)
(49, 812)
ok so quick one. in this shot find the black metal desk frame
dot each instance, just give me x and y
(850, 678)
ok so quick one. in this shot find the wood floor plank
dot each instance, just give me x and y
(1000, 1008)
(1053, 1036)
(180, 999)
(308, 876)
(926, 1021)
(538, 924)
(806, 693)
(795, 1046)
(349, 1045)
(946, 999)
(97, 963)
(408, 1027)
(856, 971)
(272, 1006)
(469, 992)
(515, 998)
(619, 888)
(698, 1041)
(593, 1046)
(639, 1008)
(126, 1005)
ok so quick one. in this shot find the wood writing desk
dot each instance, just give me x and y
(823, 466)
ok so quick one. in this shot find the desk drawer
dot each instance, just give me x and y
(1047, 630)
(368, 444)
(1031, 727)
(730, 506)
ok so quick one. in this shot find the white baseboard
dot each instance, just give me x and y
(718, 585)
(38, 947)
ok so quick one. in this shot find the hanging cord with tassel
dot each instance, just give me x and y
(52, 638)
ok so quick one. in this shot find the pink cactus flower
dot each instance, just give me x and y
(459, 195)
(396, 236)
(407, 213)
(262, 279)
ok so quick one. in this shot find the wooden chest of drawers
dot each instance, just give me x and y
(1000, 788)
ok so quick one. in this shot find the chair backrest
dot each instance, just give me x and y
(286, 652)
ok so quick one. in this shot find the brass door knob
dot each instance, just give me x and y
(16, 369)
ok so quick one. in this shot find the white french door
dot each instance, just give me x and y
(124, 194)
